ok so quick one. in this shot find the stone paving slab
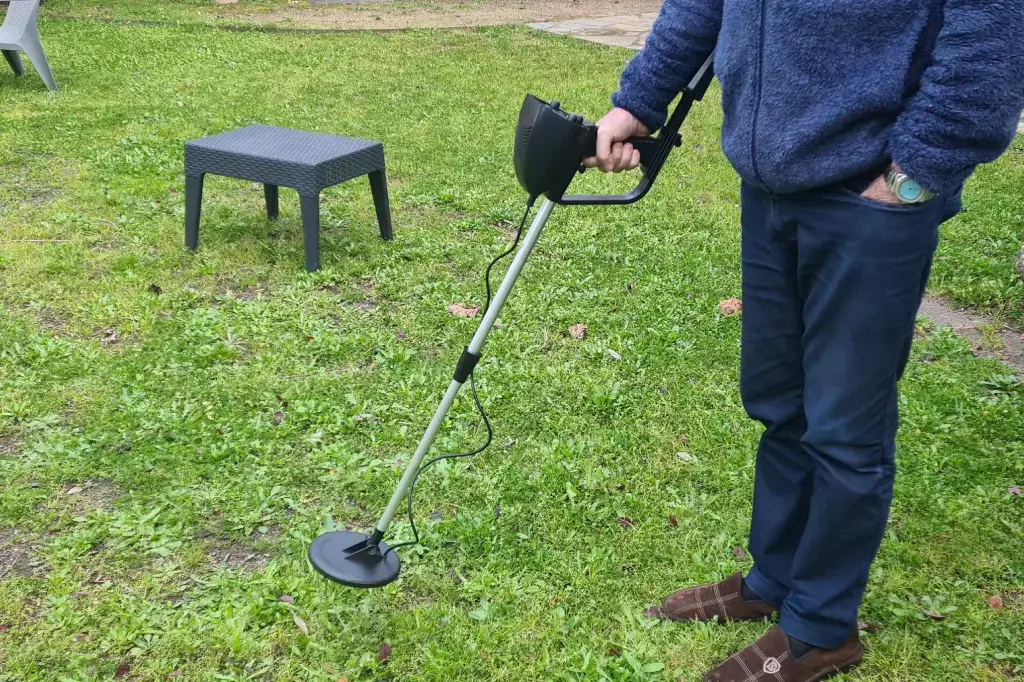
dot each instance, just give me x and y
(628, 30)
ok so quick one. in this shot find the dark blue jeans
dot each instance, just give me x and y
(832, 283)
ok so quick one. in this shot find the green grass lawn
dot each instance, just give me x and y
(175, 428)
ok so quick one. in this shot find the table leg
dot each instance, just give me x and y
(270, 193)
(379, 188)
(310, 208)
(193, 208)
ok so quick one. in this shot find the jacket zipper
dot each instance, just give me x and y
(757, 102)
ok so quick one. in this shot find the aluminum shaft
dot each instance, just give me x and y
(476, 347)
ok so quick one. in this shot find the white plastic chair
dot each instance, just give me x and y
(20, 32)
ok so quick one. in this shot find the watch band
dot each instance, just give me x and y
(903, 185)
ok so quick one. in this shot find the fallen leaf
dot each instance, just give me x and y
(284, 403)
(496, 325)
(578, 331)
(673, 521)
(74, 490)
(109, 336)
(869, 626)
(739, 552)
(934, 615)
(995, 602)
(463, 310)
(384, 655)
(123, 671)
(730, 306)
(614, 651)
(626, 522)
(301, 624)
(287, 599)
(278, 417)
(328, 668)
(154, 289)
(614, 355)
(4, 628)
(483, 655)
(342, 679)
(1015, 491)
(653, 613)
(401, 336)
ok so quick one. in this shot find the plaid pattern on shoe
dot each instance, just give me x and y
(719, 600)
(770, 660)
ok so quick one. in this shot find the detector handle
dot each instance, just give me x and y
(647, 146)
(654, 151)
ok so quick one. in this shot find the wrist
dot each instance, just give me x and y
(905, 188)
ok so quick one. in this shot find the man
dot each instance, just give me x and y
(853, 125)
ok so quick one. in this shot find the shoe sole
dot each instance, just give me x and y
(754, 619)
(835, 670)
(839, 669)
(767, 616)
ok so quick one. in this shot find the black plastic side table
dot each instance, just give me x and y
(307, 162)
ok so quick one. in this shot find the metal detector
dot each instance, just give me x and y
(550, 146)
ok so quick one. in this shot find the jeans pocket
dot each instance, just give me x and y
(880, 205)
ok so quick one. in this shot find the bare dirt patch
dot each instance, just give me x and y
(438, 14)
(92, 495)
(223, 551)
(988, 338)
(36, 193)
(9, 446)
(273, 533)
(51, 321)
(244, 293)
(18, 556)
(361, 306)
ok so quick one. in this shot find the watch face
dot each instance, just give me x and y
(909, 190)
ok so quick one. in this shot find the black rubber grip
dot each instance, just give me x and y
(467, 362)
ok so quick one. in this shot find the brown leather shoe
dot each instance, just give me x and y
(770, 659)
(721, 600)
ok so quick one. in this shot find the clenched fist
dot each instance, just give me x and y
(614, 154)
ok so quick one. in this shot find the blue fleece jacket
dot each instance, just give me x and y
(815, 91)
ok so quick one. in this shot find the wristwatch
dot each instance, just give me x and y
(905, 188)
